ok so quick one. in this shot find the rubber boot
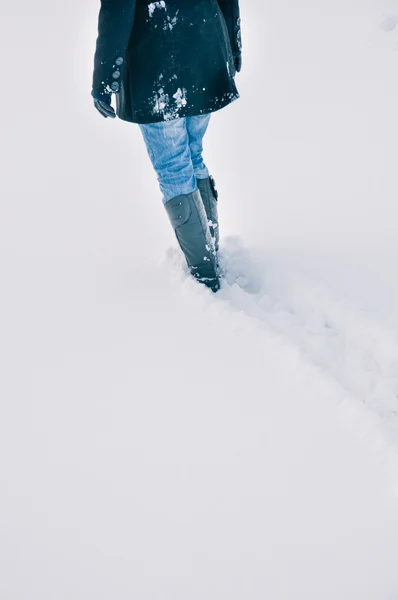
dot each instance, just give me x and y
(209, 194)
(188, 219)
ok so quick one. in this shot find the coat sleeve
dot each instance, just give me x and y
(230, 10)
(115, 24)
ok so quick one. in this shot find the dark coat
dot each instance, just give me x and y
(167, 59)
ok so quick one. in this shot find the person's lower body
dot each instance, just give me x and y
(189, 196)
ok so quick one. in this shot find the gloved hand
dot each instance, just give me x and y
(238, 62)
(103, 105)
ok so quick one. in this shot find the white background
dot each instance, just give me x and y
(157, 442)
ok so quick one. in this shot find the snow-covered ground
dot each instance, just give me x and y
(158, 442)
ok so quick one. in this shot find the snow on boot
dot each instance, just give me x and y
(188, 218)
(209, 194)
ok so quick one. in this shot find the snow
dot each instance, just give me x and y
(154, 5)
(390, 22)
(158, 441)
(180, 98)
(170, 22)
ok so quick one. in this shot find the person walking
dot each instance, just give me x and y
(171, 64)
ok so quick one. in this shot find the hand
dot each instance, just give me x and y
(238, 62)
(104, 107)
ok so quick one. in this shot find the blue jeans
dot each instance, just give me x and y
(175, 149)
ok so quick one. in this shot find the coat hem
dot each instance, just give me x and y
(187, 113)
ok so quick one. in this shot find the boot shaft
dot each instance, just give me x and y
(189, 221)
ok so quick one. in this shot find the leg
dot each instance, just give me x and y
(168, 148)
(189, 221)
(167, 143)
(197, 127)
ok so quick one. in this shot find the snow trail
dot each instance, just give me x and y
(358, 352)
